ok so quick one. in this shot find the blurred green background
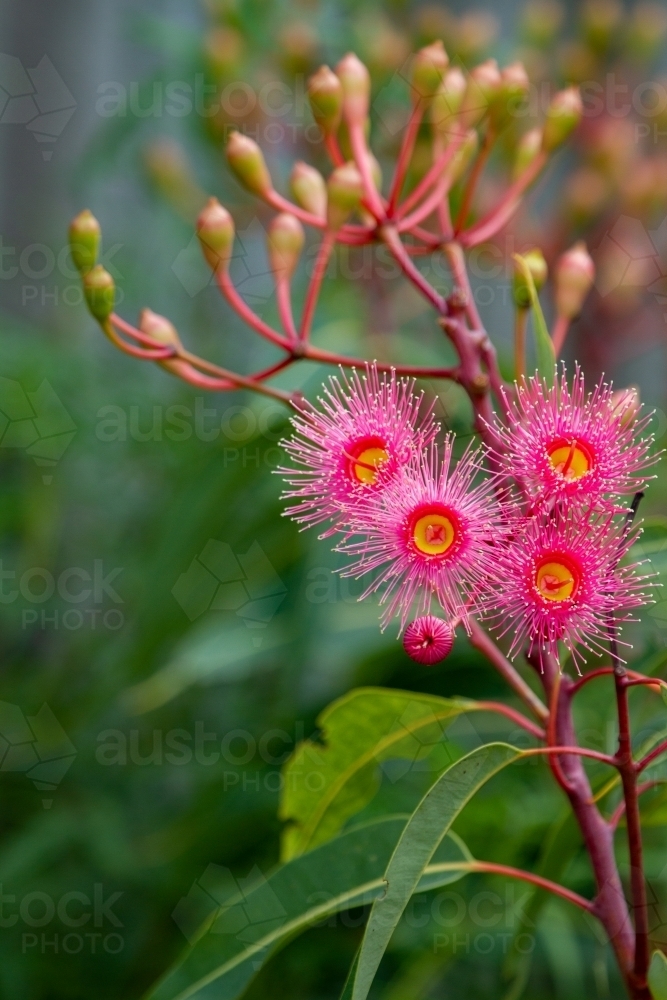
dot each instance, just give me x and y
(181, 634)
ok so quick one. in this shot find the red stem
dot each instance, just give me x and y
(561, 326)
(617, 815)
(506, 207)
(402, 258)
(313, 292)
(483, 642)
(650, 757)
(284, 302)
(372, 199)
(473, 180)
(537, 880)
(405, 154)
(510, 713)
(432, 176)
(226, 286)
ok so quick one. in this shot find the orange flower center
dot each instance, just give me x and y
(434, 531)
(365, 459)
(557, 578)
(572, 459)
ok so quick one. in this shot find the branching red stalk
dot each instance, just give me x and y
(561, 326)
(492, 868)
(405, 155)
(315, 284)
(499, 216)
(483, 642)
(510, 713)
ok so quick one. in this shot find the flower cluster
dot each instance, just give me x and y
(535, 545)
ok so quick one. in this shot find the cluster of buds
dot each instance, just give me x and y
(464, 114)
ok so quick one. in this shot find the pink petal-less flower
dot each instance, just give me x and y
(561, 444)
(428, 640)
(366, 428)
(432, 533)
(559, 581)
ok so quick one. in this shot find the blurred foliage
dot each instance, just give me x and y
(151, 480)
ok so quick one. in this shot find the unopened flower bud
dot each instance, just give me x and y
(215, 230)
(447, 101)
(464, 156)
(84, 240)
(541, 21)
(223, 48)
(159, 328)
(600, 19)
(626, 404)
(482, 88)
(647, 29)
(345, 190)
(285, 239)
(514, 86)
(528, 147)
(537, 266)
(429, 66)
(563, 115)
(574, 276)
(428, 640)
(325, 93)
(100, 291)
(356, 82)
(247, 161)
(309, 189)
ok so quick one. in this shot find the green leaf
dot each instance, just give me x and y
(546, 357)
(256, 917)
(657, 976)
(424, 831)
(328, 782)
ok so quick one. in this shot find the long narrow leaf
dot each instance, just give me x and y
(260, 916)
(424, 831)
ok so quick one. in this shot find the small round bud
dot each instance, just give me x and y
(215, 230)
(626, 404)
(647, 29)
(325, 93)
(345, 190)
(356, 82)
(574, 276)
(247, 161)
(446, 103)
(100, 291)
(285, 239)
(600, 19)
(428, 640)
(482, 88)
(537, 266)
(159, 328)
(529, 145)
(514, 86)
(223, 50)
(464, 156)
(309, 189)
(542, 20)
(429, 66)
(84, 240)
(563, 115)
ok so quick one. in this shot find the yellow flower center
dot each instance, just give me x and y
(572, 459)
(364, 466)
(557, 579)
(434, 533)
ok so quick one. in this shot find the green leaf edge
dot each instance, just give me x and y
(546, 356)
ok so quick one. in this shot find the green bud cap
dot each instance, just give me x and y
(215, 230)
(285, 239)
(446, 103)
(345, 190)
(325, 93)
(247, 161)
(574, 277)
(356, 82)
(600, 20)
(429, 66)
(100, 291)
(528, 147)
(84, 240)
(537, 266)
(309, 189)
(563, 115)
(482, 88)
